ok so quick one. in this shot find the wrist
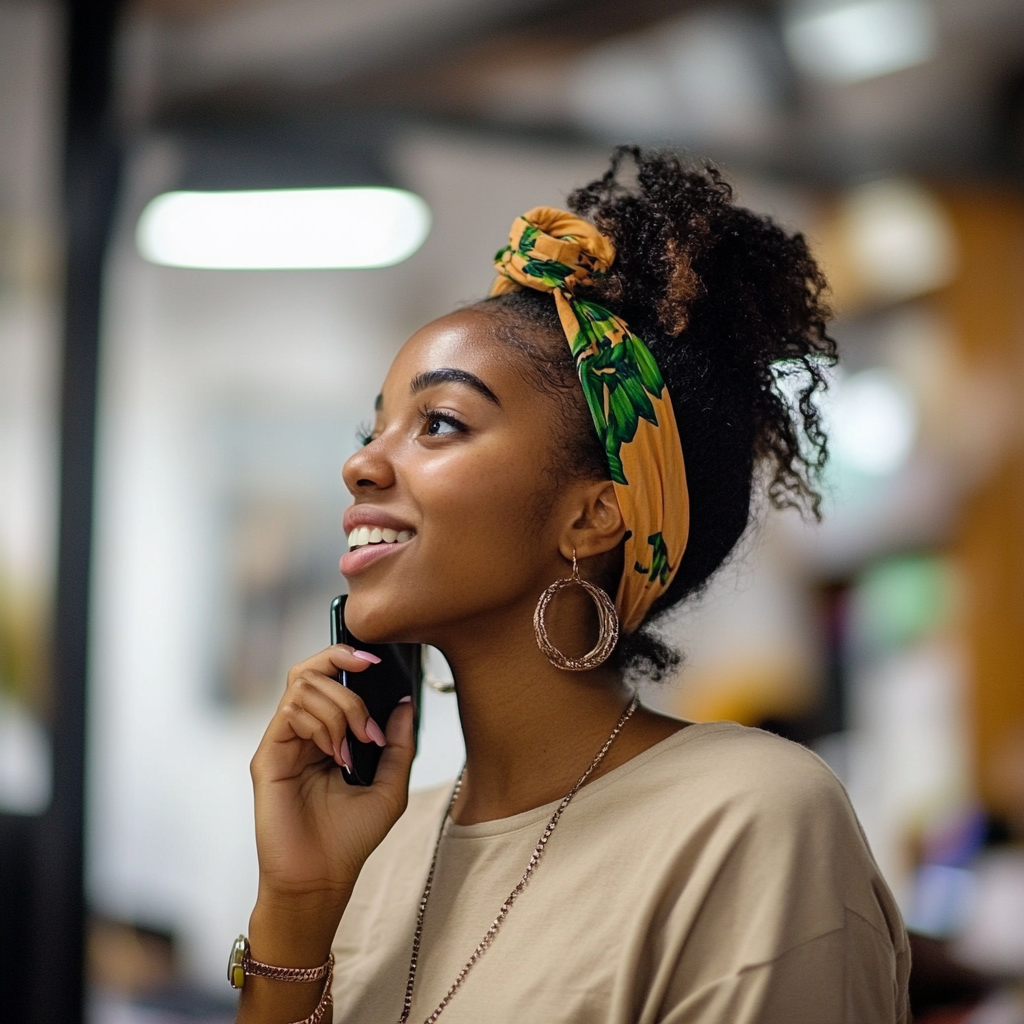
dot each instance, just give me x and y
(295, 930)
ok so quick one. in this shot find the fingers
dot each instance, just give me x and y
(308, 727)
(317, 709)
(332, 660)
(334, 705)
(395, 765)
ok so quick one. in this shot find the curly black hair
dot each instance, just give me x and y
(734, 310)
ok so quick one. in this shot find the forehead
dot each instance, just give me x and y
(461, 341)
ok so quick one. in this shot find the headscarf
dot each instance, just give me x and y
(553, 251)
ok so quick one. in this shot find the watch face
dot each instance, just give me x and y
(236, 965)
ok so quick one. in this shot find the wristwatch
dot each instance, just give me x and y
(236, 965)
(242, 964)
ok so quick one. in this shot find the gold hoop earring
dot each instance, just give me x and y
(607, 619)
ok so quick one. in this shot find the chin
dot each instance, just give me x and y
(376, 618)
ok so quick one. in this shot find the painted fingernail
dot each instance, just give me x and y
(373, 731)
(366, 656)
(405, 700)
(346, 756)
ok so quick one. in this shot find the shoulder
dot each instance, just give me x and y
(774, 812)
(725, 791)
(751, 770)
(751, 819)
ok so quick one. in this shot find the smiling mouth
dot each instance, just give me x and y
(364, 535)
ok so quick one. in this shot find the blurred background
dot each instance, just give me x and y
(171, 435)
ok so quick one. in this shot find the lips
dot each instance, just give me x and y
(361, 558)
(372, 534)
(357, 516)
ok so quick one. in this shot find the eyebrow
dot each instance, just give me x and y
(449, 375)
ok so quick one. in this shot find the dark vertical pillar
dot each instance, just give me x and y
(90, 178)
(17, 884)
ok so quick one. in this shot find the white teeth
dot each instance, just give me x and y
(363, 535)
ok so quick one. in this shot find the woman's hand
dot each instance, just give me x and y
(313, 830)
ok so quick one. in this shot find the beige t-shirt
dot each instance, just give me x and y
(719, 877)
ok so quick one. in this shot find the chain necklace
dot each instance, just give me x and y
(535, 857)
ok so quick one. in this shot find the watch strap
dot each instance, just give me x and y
(242, 964)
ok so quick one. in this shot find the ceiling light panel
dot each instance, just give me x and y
(287, 229)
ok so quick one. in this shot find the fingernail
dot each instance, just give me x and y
(346, 756)
(405, 700)
(366, 656)
(373, 731)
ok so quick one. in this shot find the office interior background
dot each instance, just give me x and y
(171, 436)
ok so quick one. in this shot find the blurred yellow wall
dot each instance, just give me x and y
(986, 305)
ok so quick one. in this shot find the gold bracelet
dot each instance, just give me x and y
(242, 964)
(326, 1004)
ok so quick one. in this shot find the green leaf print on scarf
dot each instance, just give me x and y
(659, 568)
(551, 272)
(617, 379)
(528, 239)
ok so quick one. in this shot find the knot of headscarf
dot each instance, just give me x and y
(553, 251)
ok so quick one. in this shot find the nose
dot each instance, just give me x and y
(369, 469)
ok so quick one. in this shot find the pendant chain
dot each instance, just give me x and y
(535, 857)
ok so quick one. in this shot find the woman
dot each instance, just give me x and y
(534, 459)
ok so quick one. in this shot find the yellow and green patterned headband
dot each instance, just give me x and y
(553, 251)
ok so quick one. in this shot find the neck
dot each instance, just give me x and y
(532, 729)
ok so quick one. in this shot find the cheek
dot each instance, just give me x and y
(481, 545)
(480, 509)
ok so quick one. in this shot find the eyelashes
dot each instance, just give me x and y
(431, 417)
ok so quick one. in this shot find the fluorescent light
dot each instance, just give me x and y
(849, 42)
(872, 422)
(315, 228)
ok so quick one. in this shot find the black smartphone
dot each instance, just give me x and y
(399, 674)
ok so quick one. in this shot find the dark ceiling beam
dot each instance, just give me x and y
(422, 75)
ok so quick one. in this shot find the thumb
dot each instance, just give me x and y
(396, 758)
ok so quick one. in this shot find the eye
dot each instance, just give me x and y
(364, 434)
(441, 424)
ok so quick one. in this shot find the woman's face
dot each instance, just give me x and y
(457, 479)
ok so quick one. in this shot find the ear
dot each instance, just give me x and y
(598, 526)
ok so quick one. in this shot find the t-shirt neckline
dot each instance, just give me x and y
(536, 815)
